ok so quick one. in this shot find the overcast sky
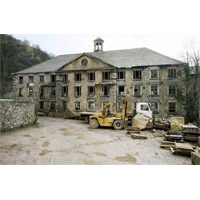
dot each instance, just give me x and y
(170, 45)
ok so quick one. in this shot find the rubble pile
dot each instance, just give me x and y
(161, 124)
(182, 148)
(190, 132)
(135, 133)
(174, 136)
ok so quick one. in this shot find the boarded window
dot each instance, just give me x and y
(154, 90)
(121, 75)
(21, 80)
(121, 90)
(105, 90)
(137, 75)
(77, 77)
(77, 91)
(91, 90)
(172, 90)
(91, 76)
(172, 107)
(154, 74)
(105, 75)
(77, 106)
(171, 73)
(137, 90)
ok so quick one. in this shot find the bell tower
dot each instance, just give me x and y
(98, 45)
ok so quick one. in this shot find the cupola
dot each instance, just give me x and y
(98, 45)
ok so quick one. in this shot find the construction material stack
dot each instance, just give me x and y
(190, 132)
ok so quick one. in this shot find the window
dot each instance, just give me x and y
(91, 76)
(91, 90)
(121, 75)
(105, 90)
(172, 107)
(77, 91)
(77, 77)
(91, 106)
(105, 75)
(53, 105)
(171, 73)
(41, 92)
(172, 90)
(137, 75)
(119, 105)
(65, 77)
(64, 105)
(30, 79)
(77, 106)
(53, 78)
(20, 92)
(21, 80)
(53, 91)
(41, 105)
(154, 74)
(121, 90)
(137, 90)
(64, 91)
(41, 79)
(30, 91)
(154, 90)
(154, 106)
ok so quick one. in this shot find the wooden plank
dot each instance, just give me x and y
(138, 136)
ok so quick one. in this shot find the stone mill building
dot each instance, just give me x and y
(85, 81)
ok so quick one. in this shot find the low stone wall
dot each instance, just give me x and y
(16, 114)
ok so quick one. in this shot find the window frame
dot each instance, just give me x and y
(174, 90)
(53, 78)
(152, 77)
(75, 103)
(90, 93)
(75, 91)
(88, 105)
(119, 94)
(104, 76)
(119, 75)
(20, 80)
(172, 75)
(64, 91)
(76, 75)
(174, 106)
(157, 86)
(140, 86)
(103, 90)
(89, 76)
(135, 75)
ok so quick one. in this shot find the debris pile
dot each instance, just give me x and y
(173, 136)
(161, 124)
(135, 133)
(182, 149)
(190, 132)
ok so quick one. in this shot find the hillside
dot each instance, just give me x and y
(16, 55)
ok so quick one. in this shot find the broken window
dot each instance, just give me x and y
(172, 107)
(20, 92)
(52, 105)
(91, 106)
(137, 75)
(77, 91)
(105, 75)
(30, 91)
(77, 106)
(77, 77)
(154, 74)
(64, 91)
(154, 90)
(65, 77)
(41, 79)
(91, 90)
(121, 75)
(53, 91)
(154, 106)
(64, 105)
(41, 105)
(171, 73)
(121, 90)
(41, 92)
(21, 80)
(105, 90)
(137, 90)
(30, 79)
(172, 90)
(91, 76)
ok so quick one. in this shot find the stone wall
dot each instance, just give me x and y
(16, 114)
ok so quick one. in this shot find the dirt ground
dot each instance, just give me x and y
(71, 142)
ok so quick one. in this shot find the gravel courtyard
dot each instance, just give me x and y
(72, 142)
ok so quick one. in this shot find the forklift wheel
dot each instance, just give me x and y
(118, 124)
(94, 123)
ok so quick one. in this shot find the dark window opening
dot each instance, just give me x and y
(64, 91)
(154, 90)
(77, 106)
(105, 75)
(154, 74)
(137, 75)
(64, 105)
(91, 90)
(41, 92)
(91, 76)
(105, 90)
(77, 77)
(65, 77)
(171, 73)
(53, 78)
(52, 105)
(172, 90)
(53, 91)
(121, 75)
(77, 91)
(121, 90)
(41, 79)
(172, 107)
(41, 105)
(137, 90)
(21, 80)
(30, 79)
(30, 91)
(20, 92)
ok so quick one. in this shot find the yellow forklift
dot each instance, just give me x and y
(110, 117)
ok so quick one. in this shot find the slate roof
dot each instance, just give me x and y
(119, 58)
